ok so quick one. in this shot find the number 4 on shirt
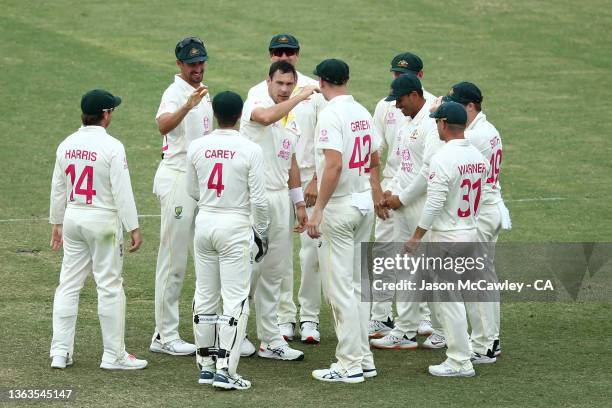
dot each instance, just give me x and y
(88, 192)
(356, 160)
(217, 172)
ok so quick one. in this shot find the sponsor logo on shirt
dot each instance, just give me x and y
(206, 124)
(432, 175)
(406, 164)
(285, 152)
(391, 118)
(323, 136)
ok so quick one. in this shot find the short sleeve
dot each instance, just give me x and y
(330, 132)
(169, 103)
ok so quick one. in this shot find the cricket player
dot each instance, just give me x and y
(418, 139)
(285, 47)
(225, 175)
(456, 173)
(91, 203)
(264, 121)
(484, 317)
(388, 119)
(347, 167)
(184, 114)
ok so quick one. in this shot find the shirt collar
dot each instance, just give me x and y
(341, 98)
(481, 117)
(182, 83)
(459, 142)
(423, 113)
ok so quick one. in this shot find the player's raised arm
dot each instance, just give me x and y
(168, 121)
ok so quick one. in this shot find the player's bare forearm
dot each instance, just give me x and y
(329, 178)
(294, 174)
(167, 122)
(377, 193)
(272, 114)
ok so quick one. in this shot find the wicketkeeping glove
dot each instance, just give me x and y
(262, 245)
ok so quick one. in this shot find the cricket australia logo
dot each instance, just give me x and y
(285, 152)
(178, 212)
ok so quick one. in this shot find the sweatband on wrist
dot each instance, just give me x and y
(296, 194)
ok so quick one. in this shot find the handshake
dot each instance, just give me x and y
(383, 202)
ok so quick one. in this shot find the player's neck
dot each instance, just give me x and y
(419, 106)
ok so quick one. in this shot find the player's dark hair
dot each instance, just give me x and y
(284, 67)
(455, 128)
(227, 120)
(419, 92)
(477, 105)
(91, 120)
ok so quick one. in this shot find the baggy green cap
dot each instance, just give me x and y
(190, 50)
(464, 93)
(227, 103)
(453, 112)
(96, 101)
(333, 70)
(284, 41)
(406, 62)
(403, 85)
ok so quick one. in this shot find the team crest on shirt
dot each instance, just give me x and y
(178, 212)
(403, 64)
(285, 152)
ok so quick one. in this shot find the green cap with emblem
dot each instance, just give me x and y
(97, 101)
(406, 62)
(227, 103)
(333, 70)
(452, 112)
(403, 85)
(284, 41)
(191, 50)
(464, 93)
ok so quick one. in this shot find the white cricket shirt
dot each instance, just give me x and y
(346, 126)
(486, 138)
(276, 140)
(454, 191)
(91, 171)
(198, 122)
(225, 173)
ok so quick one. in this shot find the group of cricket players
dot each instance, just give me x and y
(299, 155)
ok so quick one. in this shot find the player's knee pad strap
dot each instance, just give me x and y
(205, 334)
(231, 333)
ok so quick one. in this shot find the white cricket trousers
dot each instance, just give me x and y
(484, 317)
(93, 242)
(452, 315)
(409, 314)
(343, 230)
(175, 241)
(309, 294)
(276, 265)
(222, 256)
(383, 232)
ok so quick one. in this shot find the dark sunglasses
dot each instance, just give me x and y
(278, 52)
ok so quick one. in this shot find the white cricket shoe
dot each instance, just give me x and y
(369, 372)
(445, 370)
(392, 342)
(496, 348)
(247, 349)
(336, 374)
(309, 332)
(488, 358)
(435, 341)
(176, 347)
(378, 329)
(287, 330)
(61, 361)
(425, 328)
(127, 362)
(230, 382)
(283, 352)
(207, 376)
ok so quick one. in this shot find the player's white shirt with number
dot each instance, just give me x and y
(456, 178)
(276, 141)
(486, 138)
(344, 116)
(418, 139)
(91, 171)
(219, 167)
(305, 114)
(198, 122)
(388, 120)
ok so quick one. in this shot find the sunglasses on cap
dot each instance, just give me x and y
(278, 52)
(108, 110)
(188, 41)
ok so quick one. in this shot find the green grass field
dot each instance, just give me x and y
(544, 68)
